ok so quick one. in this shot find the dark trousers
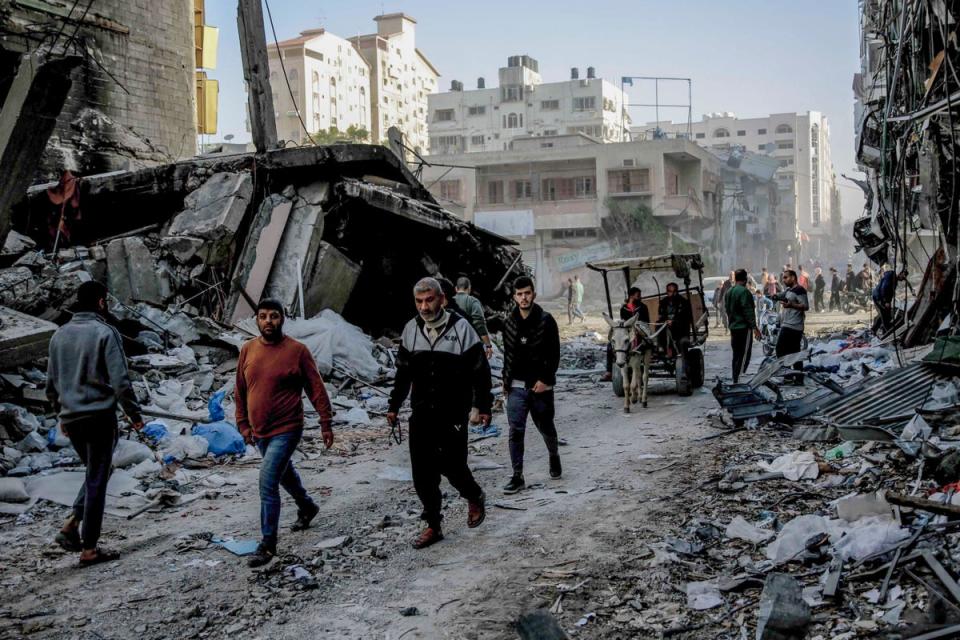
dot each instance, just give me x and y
(539, 406)
(439, 448)
(94, 438)
(790, 341)
(277, 471)
(834, 300)
(741, 341)
(818, 300)
(886, 316)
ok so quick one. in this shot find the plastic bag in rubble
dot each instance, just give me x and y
(215, 406)
(799, 465)
(792, 539)
(184, 447)
(868, 536)
(130, 452)
(222, 438)
(740, 529)
(916, 429)
(942, 395)
(334, 342)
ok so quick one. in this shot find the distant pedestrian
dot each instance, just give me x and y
(850, 280)
(273, 371)
(836, 286)
(87, 377)
(578, 299)
(531, 356)
(441, 360)
(794, 305)
(742, 320)
(820, 285)
(570, 300)
(883, 296)
(803, 278)
(474, 310)
(724, 290)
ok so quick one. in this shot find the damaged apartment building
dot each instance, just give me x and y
(906, 119)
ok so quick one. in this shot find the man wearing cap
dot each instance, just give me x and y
(273, 371)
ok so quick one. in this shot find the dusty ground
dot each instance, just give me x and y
(593, 524)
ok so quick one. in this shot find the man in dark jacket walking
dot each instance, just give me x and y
(531, 356)
(742, 319)
(86, 377)
(836, 286)
(820, 287)
(441, 358)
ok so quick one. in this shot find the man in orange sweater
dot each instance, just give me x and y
(272, 372)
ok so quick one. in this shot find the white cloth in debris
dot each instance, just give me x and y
(334, 342)
(799, 465)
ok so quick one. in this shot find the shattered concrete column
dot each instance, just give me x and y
(29, 116)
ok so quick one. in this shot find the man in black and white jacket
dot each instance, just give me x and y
(441, 358)
(531, 356)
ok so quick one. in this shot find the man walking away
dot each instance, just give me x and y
(272, 373)
(441, 359)
(531, 346)
(474, 311)
(794, 306)
(883, 295)
(821, 288)
(578, 299)
(86, 377)
(742, 321)
(836, 286)
(569, 300)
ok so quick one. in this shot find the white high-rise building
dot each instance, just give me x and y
(800, 142)
(523, 105)
(401, 79)
(329, 80)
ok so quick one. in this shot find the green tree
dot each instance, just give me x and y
(353, 134)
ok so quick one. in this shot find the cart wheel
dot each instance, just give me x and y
(683, 381)
(695, 367)
(617, 381)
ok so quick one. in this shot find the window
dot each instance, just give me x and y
(511, 93)
(522, 190)
(761, 147)
(785, 162)
(495, 192)
(585, 104)
(450, 190)
(546, 145)
(761, 132)
(560, 234)
(549, 105)
(783, 128)
(700, 136)
(477, 110)
(476, 141)
(584, 186)
(741, 133)
(785, 144)
(446, 143)
(814, 138)
(512, 121)
(549, 132)
(628, 181)
(443, 115)
(721, 133)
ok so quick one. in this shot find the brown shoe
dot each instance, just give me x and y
(428, 537)
(476, 512)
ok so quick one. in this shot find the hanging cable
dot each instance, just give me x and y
(283, 68)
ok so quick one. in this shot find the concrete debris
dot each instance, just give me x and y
(783, 614)
(213, 213)
(134, 274)
(16, 244)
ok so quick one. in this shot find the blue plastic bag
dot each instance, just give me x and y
(215, 406)
(222, 438)
(155, 431)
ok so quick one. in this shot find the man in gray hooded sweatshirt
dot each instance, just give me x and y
(86, 377)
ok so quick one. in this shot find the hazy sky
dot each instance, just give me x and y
(752, 57)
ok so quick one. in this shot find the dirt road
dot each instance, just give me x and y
(624, 479)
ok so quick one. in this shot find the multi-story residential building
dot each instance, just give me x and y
(401, 78)
(329, 81)
(800, 142)
(523, 105)
(568, 199)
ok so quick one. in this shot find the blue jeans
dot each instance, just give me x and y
(277, 471)
(523, 402)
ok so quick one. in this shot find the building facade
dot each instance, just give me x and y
(521, 106)
(401, 78)
(569, 199)
(328, 79)
(800, 143)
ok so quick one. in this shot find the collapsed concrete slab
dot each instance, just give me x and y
(23, 339)
(330, 283)
(133, 274)
(214, 213)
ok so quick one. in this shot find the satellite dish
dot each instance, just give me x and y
(228, 137)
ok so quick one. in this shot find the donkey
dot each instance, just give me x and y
(630, 341)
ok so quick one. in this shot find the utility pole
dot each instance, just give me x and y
(256, 71)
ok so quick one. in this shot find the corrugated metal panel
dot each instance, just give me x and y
(896, 393)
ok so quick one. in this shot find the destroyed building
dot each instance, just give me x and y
(905, 112)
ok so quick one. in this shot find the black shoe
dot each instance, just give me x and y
(556, 470)
(516, 484)
(263, 555)
(304, 518)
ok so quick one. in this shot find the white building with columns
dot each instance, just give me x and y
(489, 119)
